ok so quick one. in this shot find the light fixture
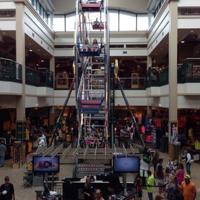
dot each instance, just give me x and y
(42, 61)
(182, 41)
(30, 50)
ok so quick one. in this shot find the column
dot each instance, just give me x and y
(149, 109)
(20, 58)
(52, 109)
(173, 70)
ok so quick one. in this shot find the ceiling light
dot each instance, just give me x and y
(42, 61)
(182, 41)
(30, 50)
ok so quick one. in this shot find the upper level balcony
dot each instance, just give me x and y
(37, 82)
(188, 79)
(40, 83)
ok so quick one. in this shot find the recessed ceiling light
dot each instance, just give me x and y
(182, 41)
(30, 50)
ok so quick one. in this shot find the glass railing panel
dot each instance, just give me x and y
(152, 78)
(164, 77)
(46, 79)
(192, 73)
(63, 83)
(32, 77)
(10, 70)
(133, 83)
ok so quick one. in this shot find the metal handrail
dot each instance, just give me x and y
(10, 70)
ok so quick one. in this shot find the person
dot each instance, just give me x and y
(160, 175)
(2, 153)
(188, 188)
(188, 160)
(155, 160)
(180, 173)
(98, 195)
(42, 141)
(88, 189)
(150, 184)
(7, 190)
(144, 167)
(138, 187)
(173, 192)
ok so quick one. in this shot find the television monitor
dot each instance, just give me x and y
(126, 164)
(46, 164)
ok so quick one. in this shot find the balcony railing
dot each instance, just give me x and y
(133, 83)
(189, 73)
(63, 83)
(38, 78)
(10, 70)
(157, 78)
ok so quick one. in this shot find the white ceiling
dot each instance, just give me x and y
(138, 6)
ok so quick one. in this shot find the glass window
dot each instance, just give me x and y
(70, 23)
(142, 22)
(46, 17)
(127, 22)
(33, 2)
(151, 20)
(37, 5)
(40, 9)
(59, 23)
(113, 20)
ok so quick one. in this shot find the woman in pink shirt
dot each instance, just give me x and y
(180, 174)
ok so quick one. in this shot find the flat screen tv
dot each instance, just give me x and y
(46, 164)
(126, 164)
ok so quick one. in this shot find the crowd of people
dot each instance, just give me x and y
(172, 182)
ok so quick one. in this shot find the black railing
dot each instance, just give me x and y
(10, 70)
(157, 78)
(189, 73)
(133, 83)
(32, 77)
(46, 79)
(38, 78)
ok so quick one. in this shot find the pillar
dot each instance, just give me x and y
(149, 109)
(173, 70)
(20, 58)
(52, 109)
